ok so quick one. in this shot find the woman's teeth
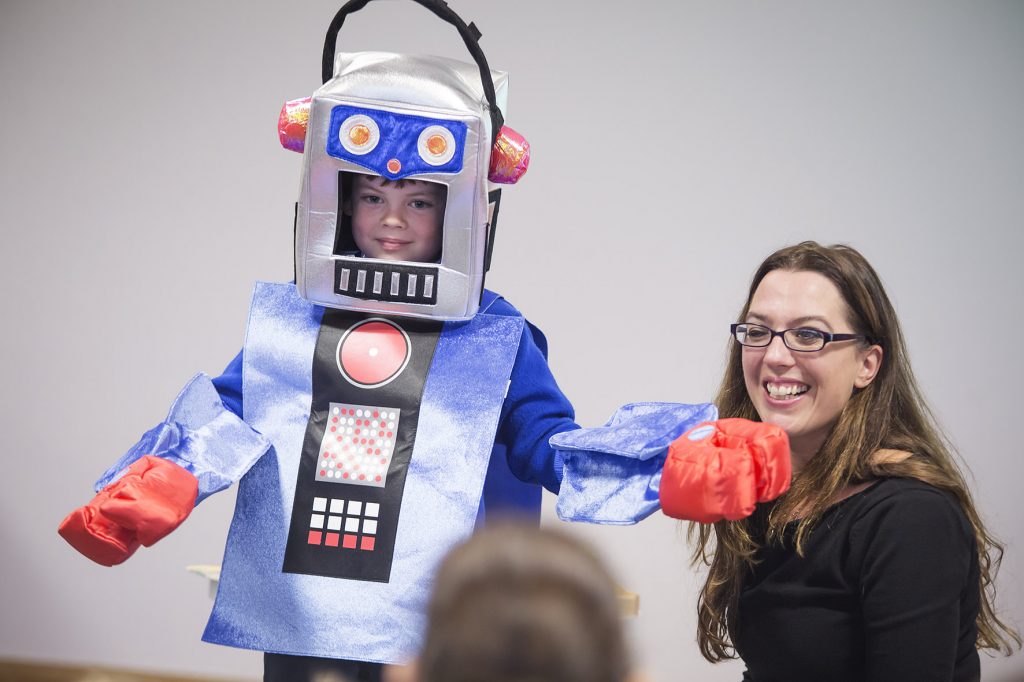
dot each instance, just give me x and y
(786, 391)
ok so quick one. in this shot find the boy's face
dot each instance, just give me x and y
(399, 220)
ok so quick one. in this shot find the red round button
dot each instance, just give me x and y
(373, 352)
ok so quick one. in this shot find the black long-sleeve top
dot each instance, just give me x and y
(887, 589)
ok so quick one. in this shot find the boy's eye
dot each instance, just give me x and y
(421, 203)
(371, 199)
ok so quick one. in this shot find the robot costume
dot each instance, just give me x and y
(381, 409)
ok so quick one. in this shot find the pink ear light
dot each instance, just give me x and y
(292, 124)
(510, 157)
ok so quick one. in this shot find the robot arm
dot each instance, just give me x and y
(202, 447)
(611, 473)
(202, 436)
(622, 472)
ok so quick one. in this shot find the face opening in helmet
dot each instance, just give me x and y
(396, 220)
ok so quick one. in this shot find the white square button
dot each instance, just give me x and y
(337, 506)
(352, 525)
(355, 507)
(319, 504)
(372, 509)
(370, 526)
(333, 523)
(316, 521)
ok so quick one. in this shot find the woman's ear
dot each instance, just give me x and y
(870, 363)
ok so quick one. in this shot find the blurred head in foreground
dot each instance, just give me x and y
(521, 604)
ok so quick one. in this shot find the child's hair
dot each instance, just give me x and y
(516, 603)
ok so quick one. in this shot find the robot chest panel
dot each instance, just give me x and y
(368, 379)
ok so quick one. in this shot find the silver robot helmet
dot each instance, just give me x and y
(401, 117)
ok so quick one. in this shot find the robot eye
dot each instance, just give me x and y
(359, 134)
(436, 145)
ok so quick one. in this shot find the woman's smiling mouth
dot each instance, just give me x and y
(786, 391)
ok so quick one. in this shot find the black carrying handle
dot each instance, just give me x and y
(470, 35)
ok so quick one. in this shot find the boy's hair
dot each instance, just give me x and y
(384, 182)
(520, 604)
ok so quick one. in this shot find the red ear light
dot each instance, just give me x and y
(292, 124)
(510, 157)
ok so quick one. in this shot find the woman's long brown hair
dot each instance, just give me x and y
(890, 413)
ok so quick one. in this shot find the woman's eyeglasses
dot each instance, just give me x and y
(801, 339)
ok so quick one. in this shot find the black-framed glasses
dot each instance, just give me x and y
(800, 339)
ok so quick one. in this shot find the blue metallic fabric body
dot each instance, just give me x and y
(260, 607)
(489, 389)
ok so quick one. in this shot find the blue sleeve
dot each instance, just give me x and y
(611, 474)
(535, 409)
(229, 386)
(203, 433)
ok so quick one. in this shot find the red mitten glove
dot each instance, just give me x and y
(720, 470)
(152, 498)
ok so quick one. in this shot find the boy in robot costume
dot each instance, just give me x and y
(379, 409)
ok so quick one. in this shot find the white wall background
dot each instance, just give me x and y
(142, 191)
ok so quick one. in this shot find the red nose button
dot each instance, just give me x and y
(373, 352)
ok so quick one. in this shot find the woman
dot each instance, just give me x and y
(875, 564)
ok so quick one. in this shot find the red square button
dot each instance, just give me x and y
(314, 537)
(332, 540)
(367, 542)
(349, 542)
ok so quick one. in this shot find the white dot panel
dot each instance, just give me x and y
(358, 444)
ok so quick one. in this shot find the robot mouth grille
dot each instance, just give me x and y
(392, 282)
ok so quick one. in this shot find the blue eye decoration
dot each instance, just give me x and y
(395, 145)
